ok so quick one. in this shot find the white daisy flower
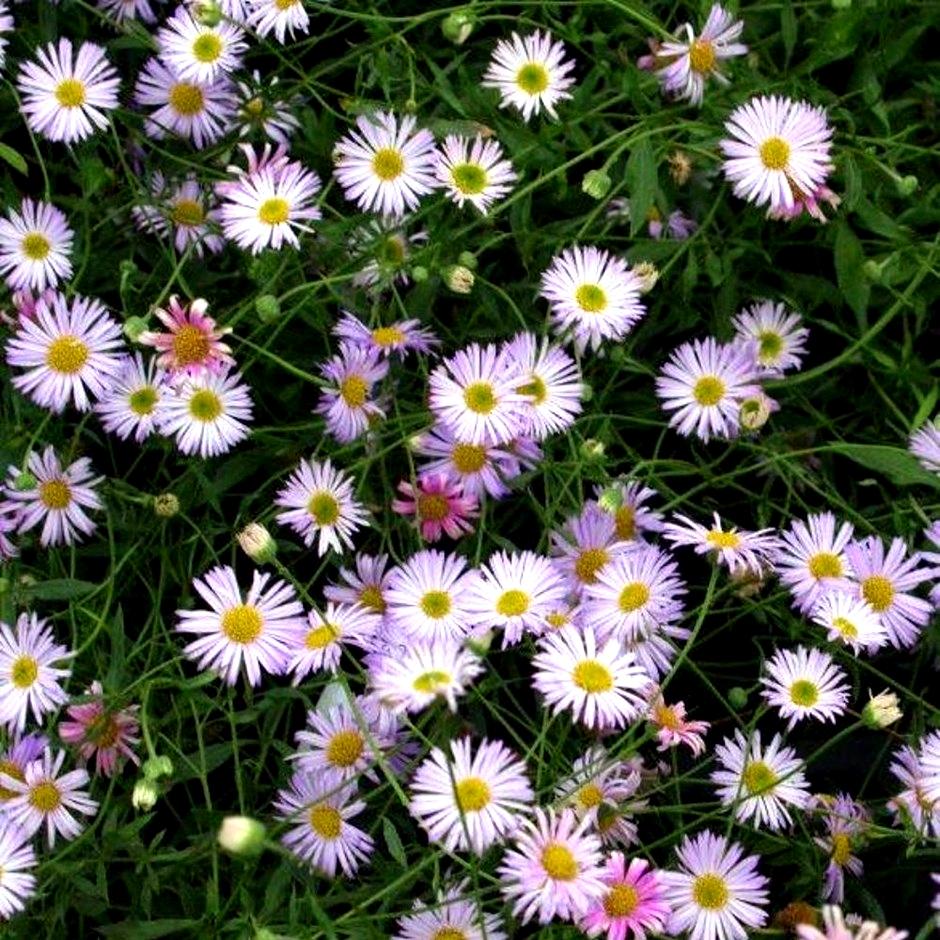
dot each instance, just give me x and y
(850, 620)
(132, 404)
(474, 171)
(17, 884)
(35, 244)
(455, 914)
(281, 17)
(319, 646)
(530, 73)
(779, 334)
(804, 684)
(199, 52)
(740, 551)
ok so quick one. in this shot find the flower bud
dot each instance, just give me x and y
(156, 767)
(25, 481)
(256, 542)
(592, 449)
(332, 696)
(458, 26)
(268, 308)
(145, 795)
(596, 183)
(480, 645)
(459, 279)
(241, 835)
(648, 274)
(207, 13)
(737, 697)
(754, 412)
(468, 259)
(906, 185)
(881, 710)
(419, 273)
(611, 499)
(133, 327)
(873, 270)
(166, 505)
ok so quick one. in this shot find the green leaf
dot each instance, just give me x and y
(9, 155)
(393, 842)
(897, 465)
(199, 764)
(849, 259)
(926, 407)
(140, 930)
(788, 29)
(60, 589)
(642, 180)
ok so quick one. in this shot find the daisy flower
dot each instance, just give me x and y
(320, 506)
(718, 892)
(200, 111)
(583, 547)
(468, 801)
(9, 521)
(256, 630)
(704, 383)
(122, 11)
(454, 915)
(684, 64)
(259, 109)
(6, 26)
(555, 869)
(479, 468)
(635, 593)
(183, 213)
(551, 383)
(739, 550)
(386, 340)
(386, 165)
(811, 560)
(924, 444)
(804, 684)
(530, 73)
(421, 673)
(107, 734)
(777, 151)
(656, 652)
(23, 750)
(633, 903)
(281, 17)
(132, 403)
(66, 95)
(672, 727)
(58, 498)
(70, 348)
(912, 807)
(473, 393)
(932, 534)
(318, 809)
(197, 52)
(885, 579)
(597, 783)
(593, 296)
(35, 244)
(17, 883)
(779, 334)
(845, 821)
(837, 929)
(850, 621)
(599, 684)
(760, 783)
(387, 249)
(473, 171)
(514, 593)
(626, 501)
(30, 682)
(366, 585)
(267, 206)
(318, 647)
(438, 506)
(346, 402)
(929, 757)
(429, 597)
(208, 414)
(192, 343)
(44, 797)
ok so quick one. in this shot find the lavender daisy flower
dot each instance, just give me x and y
(281, 17)
(473, 171)
(367, 585)
(845, 821)
(9, 522)
(912, 807)
(256, 630)
(740, 551)
(399, 338)
(197, 52)
(585, 545)
(30, 682)
(66, 95)
(35, 244)
(597, 783)
(347, 403)
(849, 620)
(804, 684)
(481, 469)
(131, 406)
(6, 26)
(626, 501)
(184, 213)
(123, 11)
(260, 110)
(929, 757)
(924, 444)
(704, 383)
(836, 928)
(45, 798)
(17, 884)
(780, 337)
(453, 914)
(58, 497)
(386, 165)
(932, 534)
(319, 646)
(70, 348)
(22, 751)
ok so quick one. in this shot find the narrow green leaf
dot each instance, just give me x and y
(897, 465)
(642, 180)
(393, 842)
(849, 259)
(60, 589)
(8, 154)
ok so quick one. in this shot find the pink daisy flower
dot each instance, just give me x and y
(346, 402)
(193, 341)
(438, 506)
(107, 734)
(398, 338)
(672, 727)
(633, 903)
(480, 468)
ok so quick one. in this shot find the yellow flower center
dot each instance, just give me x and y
(392, 250)
(590, 796)
(633, 597)
(345, 748)
(207, 47)
(557, 621)
(143, 401)
(825, 565)
(70, 93)
(771, 345)
(386, 336)
(285, 4)
(24, 671)
(591, 298)
(536, 388)
(879, 592)
(55, 494)
(479, 398)
(325, 821)
(845, 626)
(186, 99)
(320, 637)
(512, 603)
(104, 732)
(67, 354)
(665, 716)
(804, 693)
(758, 777)
(11, 770)
(371, 596)
(592, 677)
(436, 604)
(775, 153)
(626, 523)
(388, 164)
(702, 56)
(36, 246)
(254, 108)
(190, 345)
(472, 794)
(45, 797)
(205, 405)
(187, 212)
(354, 390)
(841, 848)
(723, 539)
(559, 862)
(324, 508)
(469, 178)
(242, 624)
(433, 507)
(708, 390)
(430, 683)
(468, 458)
(621, 901)
(710, 891)
(589, 562)
(532, 78)
(449, 933)
(274, 211)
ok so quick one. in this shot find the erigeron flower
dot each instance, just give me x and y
(35, 244)
(185, 213)
(924, 444)
(597, 783)
(850, 620)
(132, 403)
(626, 501)
(912, 807)
(804, 683)
(17, 883)
(396, 339)
(779, 334)
(845, 821)
(633, 903)
(836, 928)
(192, 342)
(740, 551)
(386, 249)
(106, 733)
(262, 109)
(586, 544)
(6, 26)
(366, 585)
(281, 17)
(124, 10)
(481, 469)
(438, 506)
(318, 646)
(672, 727)
(473, 171)
(197, 52)
(347, 402)
(454, 915)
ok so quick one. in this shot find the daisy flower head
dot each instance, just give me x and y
(481, 469)
(929, 757)
(597, 782)
(44, 797)
(385, 165)
(473, 171)
(261, 110)
(105, 733)
(319, 646)
(672, 727)
(199, 52)
(256, 630)
(924, 444)
(455, 915)
(421, 673)
(554, 870)
(6, 26)
(318, 809)
(386, 247)
(17, 883)
(633, 902)
(779, 334)
(9, 522)
(22, 751)
(58, 497)
(123, 11)
(531, 73)
(885, 580)
(812, 561)
(636, 593)
(593, 296)
(66, 93)
(656, 651)
(35, 244)
(200, 111)
(586, 543)
(281, 17)
(600, 685)
(192, 343)
(320, 506)
(704, 383)
(626, 501)
(132, 404)
(804, 684)
(208, 414)
(471, 799)
(836, 928)
(183, 213)
(850, 621)
(438, 506)
(685, 63)
(347, 403)
(932, 534)
(912, 808)
(760, 782)
(845, 821)
(474, 394)
(367, 585)
(71, 349)
(267, 206)
(386, 341)
(740, 551)
(717, 891)
(777, 151)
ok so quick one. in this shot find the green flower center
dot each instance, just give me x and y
(469, 178)
(532, 78)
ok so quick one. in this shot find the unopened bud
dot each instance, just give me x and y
(881, 710)
(145, 795)
(680, 167)
(166, 505)
(133, 327)
(468, 259)
(156, 767)
(906, 185)
(457, 27)
(256, 542)
(755, 411)
(737, 697)
(648, 274)
(241, 835)
(873, 270)
(419, 273)
(480, 644)
(592, 449)
(459, 279)
(25, 481)
(596, 183)
(207, 13)
(268, 308)
(611, 499)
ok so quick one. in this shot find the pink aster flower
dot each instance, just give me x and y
(924, 444)
(555, 869)
(633, 903)
(810, 203)
(193, 341)
(386, 340)
(107, 734)
(35, 244)
(347, 402)
(672, 727)
(438, 506)
(183, 212)
(846, 821)
(482, 469)
(739, 550)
